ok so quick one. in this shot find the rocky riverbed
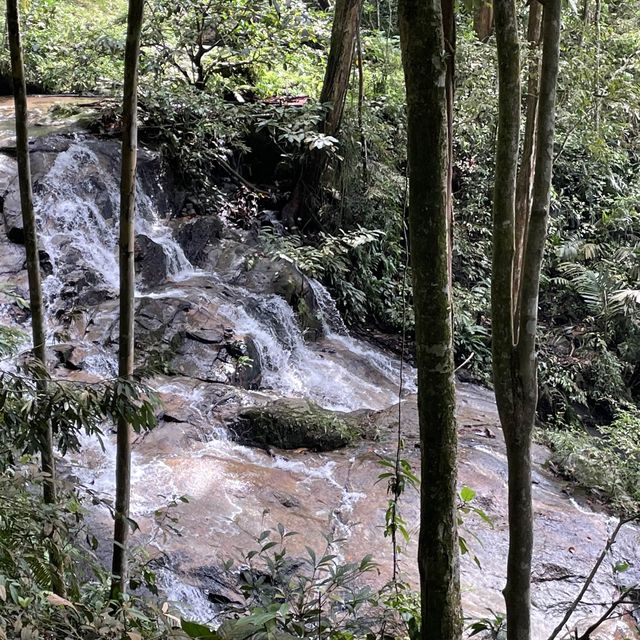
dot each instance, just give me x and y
(239, 336)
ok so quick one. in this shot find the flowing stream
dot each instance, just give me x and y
(77, 201)
(234, 491)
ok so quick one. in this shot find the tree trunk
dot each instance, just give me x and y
(514, 347)
(306, 197)
(127, 287)
(483, 20)
(36, 303)
(363, 138)
(586, 19)
(424, 56)
(449, 33)
(524, 182)
(541, 196)
(596, 69)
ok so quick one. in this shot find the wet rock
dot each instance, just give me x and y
(70, 356)
(12, 261)
(156, 180)
(8, 172)
(283, 278)
(150, 260)
(287, 500)
(12, 216)
(294, 424)
(82, 287)
(189, 339)
(218, 586)
(248, 374)
(95, 295)
(209, 336)
(196, 235)
(233, 361)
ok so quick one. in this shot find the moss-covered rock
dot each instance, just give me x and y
(294, 424)
(275, 275)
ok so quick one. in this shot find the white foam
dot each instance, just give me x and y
(70, 207)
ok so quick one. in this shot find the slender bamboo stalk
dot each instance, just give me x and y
(36, 304)
(127, 288)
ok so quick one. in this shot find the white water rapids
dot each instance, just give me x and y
(235, 492)
(77, 203)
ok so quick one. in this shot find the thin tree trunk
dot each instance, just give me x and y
(514, 350)
(306, 198)
(424, 57)
(524, 181)
(586, 18)
(363, 138)
(36, 303)
(596, 70)
(346, 22)
(127, 287)
(505, 380)
(449, 32)
(483, 20)
(541, 196)
(521, 547)
(504, 202)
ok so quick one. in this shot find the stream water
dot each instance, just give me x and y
(76, 203)
(234, 491)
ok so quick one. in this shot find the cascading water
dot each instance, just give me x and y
(293, 367)
(235, 491)
(77, 201)
(332, 321)
(77, 204)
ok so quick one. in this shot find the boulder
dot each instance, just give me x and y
(191, 339)
(151, 261)
(73, 356)
(230, 361)
(12, 262)
(294, 424)
(10, 199)
(195, 235)
(283, 278)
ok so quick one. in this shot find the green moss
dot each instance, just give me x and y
(293, 424)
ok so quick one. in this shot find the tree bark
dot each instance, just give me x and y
(36, 304)
(541, 196)
(524, 181)
(596, 69)
(127, 288)
(483, 20)
(514, 347)
(306, 197)
(425, 62)
(449, 33)
(504, 201)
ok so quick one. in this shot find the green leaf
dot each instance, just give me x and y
(467, 494)
(196, 630)
(621, 567)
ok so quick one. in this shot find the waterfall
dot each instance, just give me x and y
(331, 319)
(293, 367)
(77, 203)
